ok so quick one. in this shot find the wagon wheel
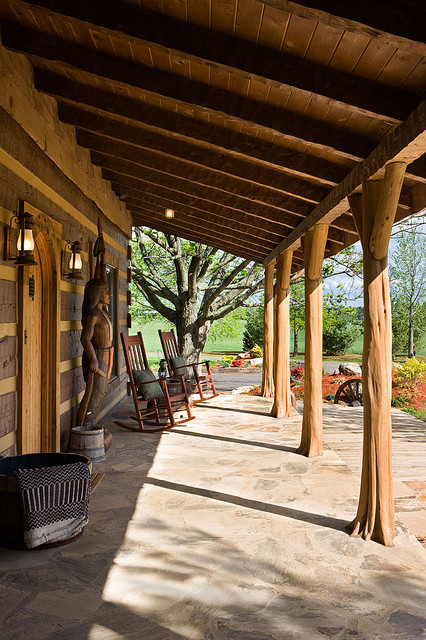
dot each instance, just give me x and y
(350, 392)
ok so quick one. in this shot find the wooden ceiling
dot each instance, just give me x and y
(252, 120)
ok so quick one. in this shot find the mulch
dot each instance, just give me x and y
(415, 399)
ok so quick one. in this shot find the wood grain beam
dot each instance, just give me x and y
(197, 174)
(190, 188)
(186, 92)
(206, 135)
(192, 42)
(404, 144)
(195, 233)
(230, 233)
(392, 22)
(186, 152)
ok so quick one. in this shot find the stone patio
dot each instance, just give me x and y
(217, 530)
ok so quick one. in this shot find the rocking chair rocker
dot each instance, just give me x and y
(155, 404)
(176, 364)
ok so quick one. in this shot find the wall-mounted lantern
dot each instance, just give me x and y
(169, 213)
(24, 246)
(75, 262)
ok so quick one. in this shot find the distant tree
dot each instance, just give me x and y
(340, 325)
(253, 332)
(190, 285)
(408, 288)
(297, 311)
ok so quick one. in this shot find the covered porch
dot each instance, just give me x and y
(219, 530)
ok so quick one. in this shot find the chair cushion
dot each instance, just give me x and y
(147, 391)
(178, 365)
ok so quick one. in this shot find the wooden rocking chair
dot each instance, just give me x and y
(176, 364)
(155, 404)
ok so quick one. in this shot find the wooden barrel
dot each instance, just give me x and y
(11, 523)
(88, 442)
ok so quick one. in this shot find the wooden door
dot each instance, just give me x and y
(30, 323)
(37, 389)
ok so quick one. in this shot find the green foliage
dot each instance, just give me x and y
(420, 414)
(229, 326)
(410, 373)
(225, 364)
(400, 401)
(340, 325)
(408, 288)
(253, 333)
(330, 397)
(227, 359)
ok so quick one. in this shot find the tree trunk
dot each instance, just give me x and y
(295, 342)
(268, 334)
(374, 214)
(282, 401)
(311, 440)
(410, 333)
(191, 335)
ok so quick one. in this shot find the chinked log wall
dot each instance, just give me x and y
(41, 164)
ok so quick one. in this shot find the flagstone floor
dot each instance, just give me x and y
(217, 530)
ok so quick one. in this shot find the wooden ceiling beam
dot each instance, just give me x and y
(195, 173)
(230, 233)
(186, 186)
(195, 233)
(273, 233)
(404, 144)
(186, 152)
(206, 135)
(238, 108)
(394, 22)
(192, 42)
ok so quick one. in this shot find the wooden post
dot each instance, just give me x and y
(374, 214)
(282, 401)
(268, 333)
(311, 440)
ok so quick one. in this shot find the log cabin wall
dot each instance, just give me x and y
(41, 165)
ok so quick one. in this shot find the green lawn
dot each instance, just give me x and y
(221, 345)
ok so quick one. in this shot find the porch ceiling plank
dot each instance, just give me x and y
(184, 91)
(406, 143)
(182, 168)
(206, 135)
(166, 146)
(139, 26)
(392, 21)
(231, 232)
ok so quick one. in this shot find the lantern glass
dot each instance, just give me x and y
(76, 262)
(28, 240)
(170, 213)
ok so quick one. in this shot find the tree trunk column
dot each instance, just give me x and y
(268, 334)
(311, 440)
(282, 401)
(374, 214)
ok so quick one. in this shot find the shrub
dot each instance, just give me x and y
(225, 364)
(330, 397)
(400, 401)
(297, 372)
(227, 359)
(256, 351)
(410, 373)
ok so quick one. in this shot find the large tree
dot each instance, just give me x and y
(408, 286)
(189, 284)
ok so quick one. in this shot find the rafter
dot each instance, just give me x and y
(187, 92)
(139, 26)
(207, 136)
(188, 153)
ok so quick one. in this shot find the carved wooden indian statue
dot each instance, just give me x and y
(96, 338)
